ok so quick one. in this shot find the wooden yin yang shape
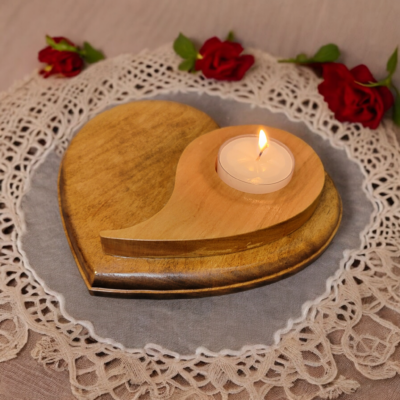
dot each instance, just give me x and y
(206, 217)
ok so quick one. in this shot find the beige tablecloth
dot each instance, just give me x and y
(367, 31)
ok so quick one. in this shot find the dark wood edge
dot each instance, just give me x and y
(220, 290)
(68, 228)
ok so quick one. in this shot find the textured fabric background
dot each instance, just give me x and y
(231, 321)
(367, 31)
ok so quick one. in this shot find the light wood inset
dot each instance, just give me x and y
(206, 217)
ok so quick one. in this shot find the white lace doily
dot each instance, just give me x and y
(353, 318)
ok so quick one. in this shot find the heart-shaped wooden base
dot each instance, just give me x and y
(119, 171)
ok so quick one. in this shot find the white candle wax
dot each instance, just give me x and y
(239, 168)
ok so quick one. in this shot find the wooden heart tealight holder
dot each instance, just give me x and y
(147, 215)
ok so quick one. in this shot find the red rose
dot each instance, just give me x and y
(350, 101)
(222, 60)
(66, 63)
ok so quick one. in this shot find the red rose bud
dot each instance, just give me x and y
(66, 63)
(350, 101)
(222, 60)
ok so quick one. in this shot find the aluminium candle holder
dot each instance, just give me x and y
(147, 215)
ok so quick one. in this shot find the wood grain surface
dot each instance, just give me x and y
(127, 174)
(206, 217)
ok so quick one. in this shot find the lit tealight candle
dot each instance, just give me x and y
(255, 164)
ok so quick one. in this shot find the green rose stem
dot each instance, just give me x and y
(63, 45)
(88, 53)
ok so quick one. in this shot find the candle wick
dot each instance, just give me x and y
(261, 152)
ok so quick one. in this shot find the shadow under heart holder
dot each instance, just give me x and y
(147, 215)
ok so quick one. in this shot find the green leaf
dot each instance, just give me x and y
(187, 65)
(184, 47)
(90, 54)
(63, 45)
(392, 63)
(328, 53)
(230, 37)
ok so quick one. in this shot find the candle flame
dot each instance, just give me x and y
(262, 140)
(262, 143)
